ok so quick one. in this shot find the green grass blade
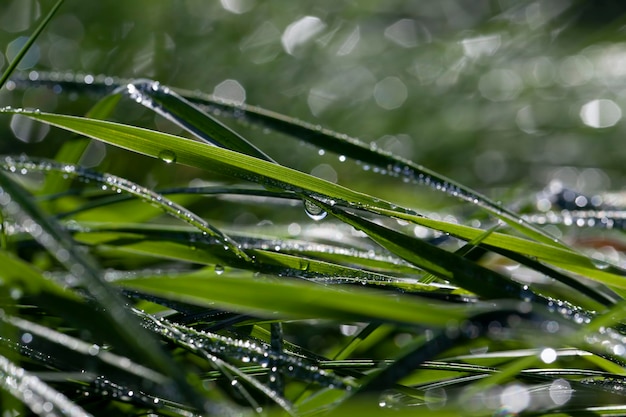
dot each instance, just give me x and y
(449, 266)
(223, 161)
(19, 205)
(294, 299)
(31, 40)
(343, 145)
(180, 111)
(72, 150)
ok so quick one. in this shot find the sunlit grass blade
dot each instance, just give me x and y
(344, 145)
(72, 150)
(294, 299)
(446, 265)
(17, 273)
(272, 175)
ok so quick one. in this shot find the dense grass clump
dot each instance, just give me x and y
(197, 271)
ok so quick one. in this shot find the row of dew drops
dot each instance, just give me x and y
(393, 166)
(397, 167)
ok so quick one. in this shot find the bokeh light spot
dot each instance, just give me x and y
(600, 113)
(27, 130)
(575, 70)
(481, 46)
(548, 355)
(301, 32)
(237, 6)
(560, 391)
(390, 93)
(230, 90)
(18, 15)
(515, 397)
(325, 172)
(402, 33)
(263, 44)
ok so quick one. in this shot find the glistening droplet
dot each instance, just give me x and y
(167, 156)
(314, 211)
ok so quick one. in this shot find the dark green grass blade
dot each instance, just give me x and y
(178, 110)
(19, 205)
(31, 40)
(474, 327)
(353, 148)
(34, 393)
(446, 265)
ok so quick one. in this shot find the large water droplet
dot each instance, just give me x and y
(167, 156)
(219, 269)
(314, 211)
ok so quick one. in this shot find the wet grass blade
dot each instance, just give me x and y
(341, 144)
(180, 111)
(294, 299)
(446, 265)
(33, 392)
(195, 154)
(16, 202)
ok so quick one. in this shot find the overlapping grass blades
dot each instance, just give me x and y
(241, 166)
(216, 299)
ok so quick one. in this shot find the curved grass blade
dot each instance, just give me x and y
(178, 110)
(31, 40)
(17, 203)
(342, 144)
(339, 143)
(117, 183)
(182, 112)
(272, 175)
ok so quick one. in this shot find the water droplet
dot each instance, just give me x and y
(313, 211)
(167, 156)
(600, 264)
(303, 264)
(219, 269)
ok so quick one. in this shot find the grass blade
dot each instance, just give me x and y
(31, 40)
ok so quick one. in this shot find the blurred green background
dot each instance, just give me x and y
(494, 93)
